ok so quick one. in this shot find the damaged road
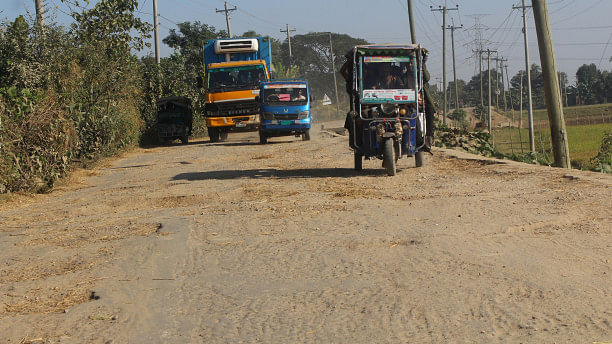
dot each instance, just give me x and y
(285, 243)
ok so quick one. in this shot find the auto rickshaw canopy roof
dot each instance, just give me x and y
(386, 50)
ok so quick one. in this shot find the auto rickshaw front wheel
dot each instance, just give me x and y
(389, 156)
(419, 159)
(358, 161)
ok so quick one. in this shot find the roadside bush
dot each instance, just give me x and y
(602, 162)
(37, 141)
(68, 96)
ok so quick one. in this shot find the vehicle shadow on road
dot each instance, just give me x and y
(242, 143)
(275, 173)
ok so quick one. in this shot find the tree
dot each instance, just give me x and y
(589, 84)
(312, 57)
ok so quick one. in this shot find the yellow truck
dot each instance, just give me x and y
(234, 69)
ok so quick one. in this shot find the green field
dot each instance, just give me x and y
(595, 113)
(584, 141)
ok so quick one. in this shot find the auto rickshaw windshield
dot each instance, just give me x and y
(382, 72)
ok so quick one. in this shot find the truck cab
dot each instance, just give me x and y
(285, 109)
(234, 70)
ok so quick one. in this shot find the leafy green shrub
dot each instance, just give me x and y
(36, 146)
(603, 161)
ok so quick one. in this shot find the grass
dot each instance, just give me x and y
(587, 112)
(583, 140)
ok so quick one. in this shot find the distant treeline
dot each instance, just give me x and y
(592, 86)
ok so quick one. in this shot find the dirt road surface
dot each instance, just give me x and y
(284, 243)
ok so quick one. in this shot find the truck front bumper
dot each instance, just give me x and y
(233, 121)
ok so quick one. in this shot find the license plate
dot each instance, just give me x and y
(240, 125)
(286, 122)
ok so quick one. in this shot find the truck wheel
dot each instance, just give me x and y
(306, 135)
(389, 157)
(213, 133)
(223, 136)
(263, 139)
(418, 159)
(358, 162)
(185, 140)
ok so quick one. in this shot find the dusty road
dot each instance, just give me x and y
(284, 243)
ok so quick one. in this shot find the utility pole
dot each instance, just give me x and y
(528, 71)
(155, 31)
(40, 13)
(411, 20)
(481, 83)
(521, 103)
(503, 86)
(227, 18)
(288, 31)
(554, 105)
(453, 28)
(489, 52)
(444, 9)
(333, 69)
(500, 62)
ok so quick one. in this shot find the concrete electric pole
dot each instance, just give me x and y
(551, 85)
(227, 18)
(453, 28)
(40, 13)
(528, 71)
(500, 69)
(333, 68)
(411, 20)
(489, 52)
(156, 31)
(444, 9)
(289, 31)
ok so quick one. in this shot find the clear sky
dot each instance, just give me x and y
(582, 29)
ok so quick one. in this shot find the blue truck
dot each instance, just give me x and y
(234, 69)
(285, 109)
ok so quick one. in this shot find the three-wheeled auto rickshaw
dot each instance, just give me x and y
(387, 111)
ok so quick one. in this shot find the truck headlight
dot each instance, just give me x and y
(303, 114)
(268, 116)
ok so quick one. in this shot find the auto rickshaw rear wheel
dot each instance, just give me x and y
(389, 157)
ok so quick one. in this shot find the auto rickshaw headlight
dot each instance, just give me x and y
(403, 111)
(388, 108)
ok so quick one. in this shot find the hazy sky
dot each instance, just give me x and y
(582, 29)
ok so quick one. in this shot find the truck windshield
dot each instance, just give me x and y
(388, 73)
(285, 94)
(234, 78)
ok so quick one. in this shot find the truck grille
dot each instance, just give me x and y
(241, 108)
(286, 116)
